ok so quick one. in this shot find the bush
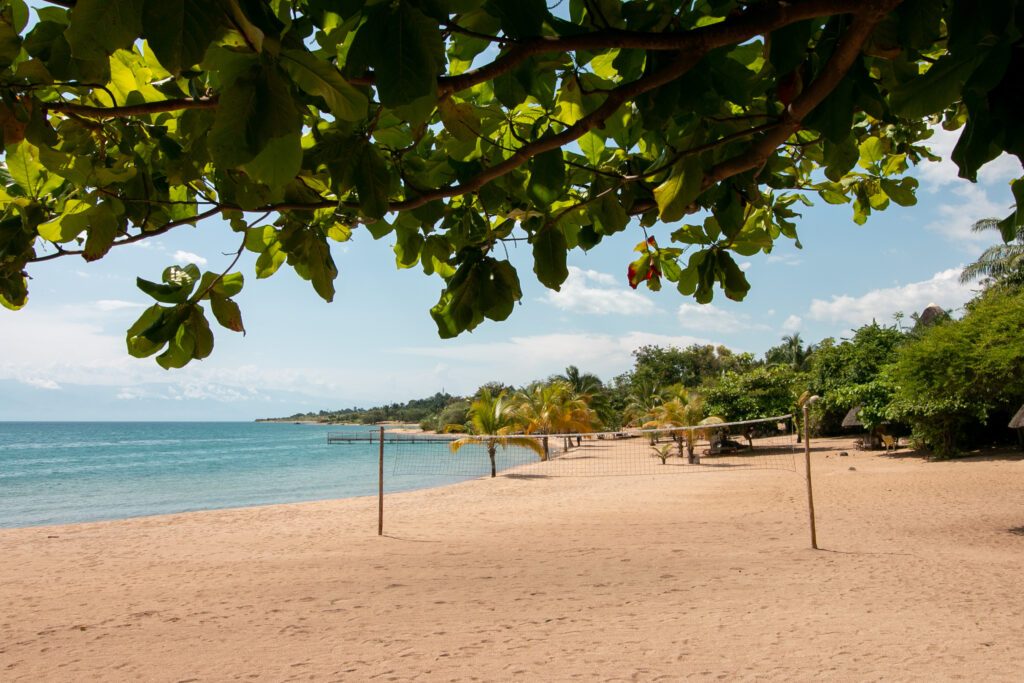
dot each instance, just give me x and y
(959, 373)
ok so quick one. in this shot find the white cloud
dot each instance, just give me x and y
(69, 346)
(109, 305)
(588, 291)
(971, 204)
(188, 257)
(784, 259)
(943, 288)
(712, 319)
(40, 382)
(936, 176)
(745, 266)
(963, 203)
(792, 323)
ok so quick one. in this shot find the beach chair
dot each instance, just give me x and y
(889, 442)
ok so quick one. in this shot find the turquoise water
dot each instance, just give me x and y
(63, 472)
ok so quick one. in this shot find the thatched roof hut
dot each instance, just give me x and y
(930, 314)
(852, 418)
(1018, 420)
(1018, 423)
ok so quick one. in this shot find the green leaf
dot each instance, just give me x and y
(920, 22)
(592, 146)
(734, 280)
(549, 255)
(408, 248)
(457, 309)
(318, 77)
(789, 45)
(227, 313)
(13, 16)
(310, 255)
(255, 109)
(939, 87)
(1010, 226)
(200, 330)
(834, 116)
(179, 31)
(872, 150)
(180, 349)
(177, 285)
(102, 229)
(373, 183)
(25, 169)
(279, 161)
(833, 196)
(459, 119)
(682, 187)
(13, 290)
(140, 346)
(69, 224)
(404, 48)
(569, 103)
(229, 284)
(519, 18)
(99, 27)
(500, 291)
(547, 178)
(901, 192)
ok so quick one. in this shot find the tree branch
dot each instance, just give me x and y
(131, 109)
(845, 54)
(733, 31)
(135, 238)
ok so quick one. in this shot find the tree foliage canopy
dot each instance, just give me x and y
(458, 125)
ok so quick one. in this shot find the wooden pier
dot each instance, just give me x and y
(375, 437)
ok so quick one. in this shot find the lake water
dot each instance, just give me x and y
(62, 472)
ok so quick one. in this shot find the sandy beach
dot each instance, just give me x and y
(706, 576)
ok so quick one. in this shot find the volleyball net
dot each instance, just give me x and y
(762, 444)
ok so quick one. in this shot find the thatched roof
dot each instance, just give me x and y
(930, 314)
(1018, 420)
(852, 418)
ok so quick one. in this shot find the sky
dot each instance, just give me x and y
(63, 356)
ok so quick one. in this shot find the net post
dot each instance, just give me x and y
(807, 463)
(380, 485)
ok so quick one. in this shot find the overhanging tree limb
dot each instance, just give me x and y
(835, 70)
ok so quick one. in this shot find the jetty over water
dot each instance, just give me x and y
(389, 437)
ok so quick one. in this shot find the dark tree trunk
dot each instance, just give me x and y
(490, 454)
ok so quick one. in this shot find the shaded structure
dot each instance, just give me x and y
(852, 418)
(1017, 422)
(931, 314)
(871, 440)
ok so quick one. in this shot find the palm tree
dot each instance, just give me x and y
(492, 418)
(553, 409)
(682, 411)
(644, 397)
(583, 384)
(794, 348)
(1000, 263)
(590, 388)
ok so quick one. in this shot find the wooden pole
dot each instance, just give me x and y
(380, 486)
(810, 493)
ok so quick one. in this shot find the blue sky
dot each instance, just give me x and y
(63, 357)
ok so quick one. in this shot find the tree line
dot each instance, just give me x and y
(946, 383)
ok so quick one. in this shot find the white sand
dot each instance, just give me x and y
(921, 577)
